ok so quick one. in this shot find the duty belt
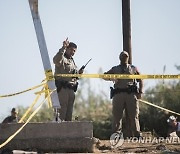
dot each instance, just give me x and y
(130, 89)
(65, 84)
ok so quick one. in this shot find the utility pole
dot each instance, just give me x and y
(44, 53)
(126, 24)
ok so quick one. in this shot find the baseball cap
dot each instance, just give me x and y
(14, 110)
(72, 45)
(124, 53)
(171, 118)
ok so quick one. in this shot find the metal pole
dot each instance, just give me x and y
(126, 21)
(44, 52)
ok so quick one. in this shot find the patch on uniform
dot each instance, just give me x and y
(135, 70)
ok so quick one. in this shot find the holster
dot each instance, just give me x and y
(111, 92)
(133, 88)
(76, 86)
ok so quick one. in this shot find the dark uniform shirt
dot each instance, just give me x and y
(10, 119)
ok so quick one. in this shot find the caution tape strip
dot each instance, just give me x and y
(119, 76)
(30, 108)
(31, 116)
(49, 75)
(156, 106)
(47, 93)
(9, 95)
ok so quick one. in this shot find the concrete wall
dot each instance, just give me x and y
(50, 137)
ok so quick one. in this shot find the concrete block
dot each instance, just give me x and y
(50, 137)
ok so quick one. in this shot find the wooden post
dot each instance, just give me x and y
(126, 25)
(126, 21)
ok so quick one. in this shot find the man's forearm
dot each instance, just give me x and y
(141, 86)
(58, 57)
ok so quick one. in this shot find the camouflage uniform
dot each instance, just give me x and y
(64, 65)
(125, 100)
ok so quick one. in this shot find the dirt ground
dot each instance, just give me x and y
(130, 146)
(104, 146)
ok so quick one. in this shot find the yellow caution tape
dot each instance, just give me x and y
(42, 91)
(120, 76)
(49, 102)
(49, 75)
(156, 106)
(9, 95)
(31, 116)
(30, 108)
(47, 93)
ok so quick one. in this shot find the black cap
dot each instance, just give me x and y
(72, 45)
(14, 110)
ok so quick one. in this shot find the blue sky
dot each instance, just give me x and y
(96, 27)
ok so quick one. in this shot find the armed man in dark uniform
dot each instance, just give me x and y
(66, 86)
(124, 96)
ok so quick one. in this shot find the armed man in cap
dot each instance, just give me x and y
(66, 86)
(13, 118)
(124, 96)
(174, 127)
